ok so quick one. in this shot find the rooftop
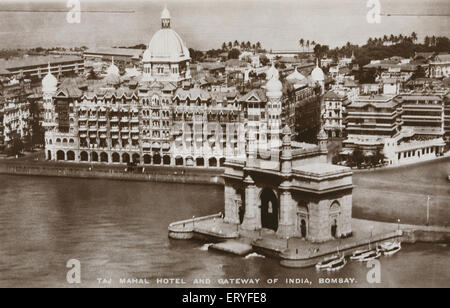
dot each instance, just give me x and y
(129, 52)
(30, 61)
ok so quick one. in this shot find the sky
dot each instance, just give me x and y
(205, 24)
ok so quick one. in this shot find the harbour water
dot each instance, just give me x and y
(119, 230)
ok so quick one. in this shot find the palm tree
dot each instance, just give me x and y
(224, 46)
(307, 44)
(258, 45)
(392, 39)
(385, 39)
(301, 42)
(236, 43)
(414, 37)
(433, 41)
(401, 38)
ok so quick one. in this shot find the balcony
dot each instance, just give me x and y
(114, 119)
(125, 130)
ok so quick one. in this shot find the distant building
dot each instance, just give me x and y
(35, 67)
(405, 128)
(333, 115)
(15, 113)
(440, 66)
(122, 56)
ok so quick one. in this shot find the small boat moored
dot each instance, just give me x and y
(326, 262)
(390, 249)
(371, 255)
(333, 263)
(357, 254)
(337, 264)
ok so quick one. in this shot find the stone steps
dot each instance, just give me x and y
(240, 248)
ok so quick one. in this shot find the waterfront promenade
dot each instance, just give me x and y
(33, 166)
(402, 193)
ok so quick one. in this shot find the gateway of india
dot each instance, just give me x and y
(291, 190)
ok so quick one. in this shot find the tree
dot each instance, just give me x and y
(307, 44)
(264, 60)
(301, 42)
(224, 46)
(357, 157)
(234, 54)
(258, 45)
(414, 37)
(427, 41)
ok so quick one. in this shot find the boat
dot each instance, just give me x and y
(337, 264)
(326, 262)
(371, 255)
(357, 254)
(391, 249)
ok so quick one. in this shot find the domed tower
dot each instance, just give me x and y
(167, 58)
(49, 88)
(318, 77)
(274, 93)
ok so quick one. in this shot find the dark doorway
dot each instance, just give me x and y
(334, 228)
(303, 228)
(269, 210)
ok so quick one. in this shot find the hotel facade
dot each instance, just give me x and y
(159, 116)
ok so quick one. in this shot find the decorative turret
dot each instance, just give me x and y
(286, 152)
(252, 146)
(165, 18)
(274, 89)
(322, 138)
(49, 83)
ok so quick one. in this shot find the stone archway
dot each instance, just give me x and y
(269, 210)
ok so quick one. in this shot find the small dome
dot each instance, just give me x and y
(286, 130)
(317, 73)
(113, 69)
(274, 84)
(296, 76)
(272, 71)
(49, 83)
(165, 13)
(112, 80)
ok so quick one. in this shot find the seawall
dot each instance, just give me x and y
(165, 174)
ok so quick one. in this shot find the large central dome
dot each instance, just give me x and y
(166, 45)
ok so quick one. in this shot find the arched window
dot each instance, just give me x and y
(147, 159)
(70, 156)
(94, 157)
(200, 162)
(136, 159)
(212, 162)
(166, 160)
(116, 158)
(84, 156)
(104, 157)
(126, 158)
(179, 161)
(60, 155)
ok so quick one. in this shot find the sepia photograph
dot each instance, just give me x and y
(215, 147)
